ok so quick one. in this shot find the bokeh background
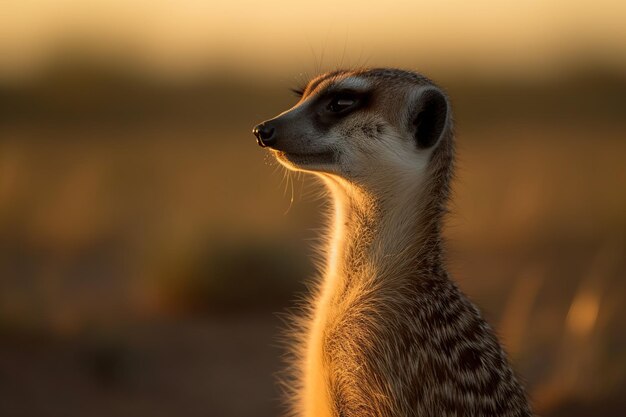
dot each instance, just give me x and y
(147, 244)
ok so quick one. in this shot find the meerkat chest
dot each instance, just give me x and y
(335, 362)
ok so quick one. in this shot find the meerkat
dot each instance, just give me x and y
(387, 333)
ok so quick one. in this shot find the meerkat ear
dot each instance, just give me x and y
(429, 118)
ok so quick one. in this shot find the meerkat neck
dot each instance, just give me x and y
(390, 234)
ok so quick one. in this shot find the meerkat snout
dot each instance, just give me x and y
(264, 135)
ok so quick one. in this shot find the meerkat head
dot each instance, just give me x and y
(366, 126)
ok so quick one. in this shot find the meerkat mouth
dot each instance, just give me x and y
(305, 159)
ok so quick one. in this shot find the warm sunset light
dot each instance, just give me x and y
(149, 248)
(190, 36)
(583, 314)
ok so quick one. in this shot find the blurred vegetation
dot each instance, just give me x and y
(78, 89)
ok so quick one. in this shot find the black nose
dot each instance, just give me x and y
(264, 135)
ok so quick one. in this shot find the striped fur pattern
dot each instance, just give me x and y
(387, 333)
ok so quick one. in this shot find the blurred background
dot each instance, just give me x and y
(147, 244)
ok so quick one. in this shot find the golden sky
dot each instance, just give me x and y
(186, 36)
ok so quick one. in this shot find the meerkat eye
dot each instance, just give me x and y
(340, 103)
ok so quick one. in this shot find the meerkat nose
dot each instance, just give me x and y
(264, 135)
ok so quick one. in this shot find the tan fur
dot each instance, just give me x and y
(387, 333)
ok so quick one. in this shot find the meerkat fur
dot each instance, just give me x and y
(386, 333)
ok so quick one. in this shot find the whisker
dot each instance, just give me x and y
(289, 180)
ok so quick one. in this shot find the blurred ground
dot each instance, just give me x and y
(146, 242)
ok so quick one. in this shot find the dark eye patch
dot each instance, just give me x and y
(317, 110)
(340, 103)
